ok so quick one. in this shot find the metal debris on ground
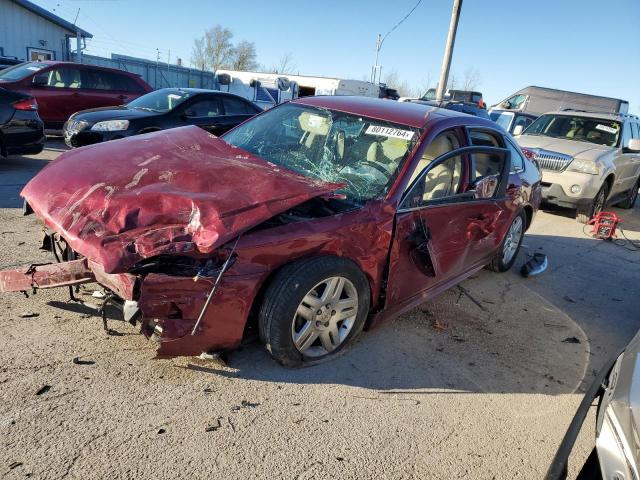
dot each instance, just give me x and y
(44, 389)
(78, 361)
(571, 340)
(535, 265)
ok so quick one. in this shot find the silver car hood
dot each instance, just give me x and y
(588, 151)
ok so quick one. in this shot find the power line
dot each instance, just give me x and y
(401, 21)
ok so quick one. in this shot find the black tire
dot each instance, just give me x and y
(630, 201)
(286, 292)
(497, 263)
(584, 215)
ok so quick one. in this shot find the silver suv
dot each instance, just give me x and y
(588, 159)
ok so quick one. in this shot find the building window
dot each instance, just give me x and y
(40, 54)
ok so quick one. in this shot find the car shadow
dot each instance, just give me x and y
(16, 171)
(547, 334)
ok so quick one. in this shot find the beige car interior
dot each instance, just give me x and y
(442, 180)
(64, 78)
(388, 153)
(315, 127)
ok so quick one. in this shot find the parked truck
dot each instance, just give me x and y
(539, 100)
(268, 89)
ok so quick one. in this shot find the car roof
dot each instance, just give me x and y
(86, 65)
(406, 113)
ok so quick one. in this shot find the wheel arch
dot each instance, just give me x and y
(251, 324)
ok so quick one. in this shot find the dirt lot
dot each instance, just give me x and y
(480, 383)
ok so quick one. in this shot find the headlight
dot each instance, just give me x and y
(111, 126)
(584, 166)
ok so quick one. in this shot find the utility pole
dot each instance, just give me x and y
(78, 46)
(448, 51)
(375, 67)
(78, 40)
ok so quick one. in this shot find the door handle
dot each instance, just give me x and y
(75, 94)
(122, 97)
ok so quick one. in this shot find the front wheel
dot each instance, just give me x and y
(506, 255)
(596, 206)
(313, 309)
(630, 201)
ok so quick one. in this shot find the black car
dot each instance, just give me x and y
(464, 107)
(21, 128)
(211, 110)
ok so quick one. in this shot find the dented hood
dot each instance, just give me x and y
(177, 191)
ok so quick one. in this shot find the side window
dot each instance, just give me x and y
(65, 77)
(233, 106)
(635, 130)
(517, 162)
(204, 108)
(626, 134)
(522, 120)
(482, 164)
(128, 84)
(443, 143)
(442, 182)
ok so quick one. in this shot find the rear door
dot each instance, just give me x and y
(626, 161)
(237, 110)
(103, 88)
(61, 96)
(205, 111)
(450, 222)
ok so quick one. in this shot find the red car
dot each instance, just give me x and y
(306, 223)
(63, 88)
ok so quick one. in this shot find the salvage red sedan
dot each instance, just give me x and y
(306, 223)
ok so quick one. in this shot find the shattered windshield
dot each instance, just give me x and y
(160, 100)
(577, 128)
(331, 146)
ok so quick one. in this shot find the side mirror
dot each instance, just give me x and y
(634, 145)
(486, 187)
(518, 130)
(41, 80)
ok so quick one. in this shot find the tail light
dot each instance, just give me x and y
(26, 104)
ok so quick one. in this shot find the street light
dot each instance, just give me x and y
(380, 41)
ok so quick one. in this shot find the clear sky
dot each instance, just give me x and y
(590, 46)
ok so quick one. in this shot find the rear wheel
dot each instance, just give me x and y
(313, 309)
(596, 206)
(630, 201)
(506, 255)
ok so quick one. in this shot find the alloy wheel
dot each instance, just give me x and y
(512, 240)
(325, 316)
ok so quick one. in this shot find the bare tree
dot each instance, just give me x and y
(284, 65)
(404, 88)
(199, 54)
(214, 49)
(244, 56)
(453, 82)
(472, 79)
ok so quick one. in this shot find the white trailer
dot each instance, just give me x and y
(268, 89)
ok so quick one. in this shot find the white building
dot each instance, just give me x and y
(29, 32)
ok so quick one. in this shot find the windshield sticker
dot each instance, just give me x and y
(607, 128)
(389, 132)
(34, 69)
(173, 96)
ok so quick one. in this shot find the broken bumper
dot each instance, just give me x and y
(166, 306)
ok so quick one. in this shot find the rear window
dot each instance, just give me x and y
(23, 70)
(104, 80)
(234, 106)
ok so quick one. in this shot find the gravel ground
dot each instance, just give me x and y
(479, 383)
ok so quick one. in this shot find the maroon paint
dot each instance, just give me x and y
(181, 191)
(186, 170)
